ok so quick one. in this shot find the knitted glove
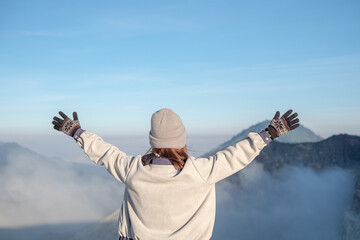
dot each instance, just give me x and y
(286, 123)
(67, 125)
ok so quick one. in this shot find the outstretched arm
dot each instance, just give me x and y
(235, 157)
(115, 161)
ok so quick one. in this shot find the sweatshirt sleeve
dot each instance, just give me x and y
(116, 162)
(230, 160)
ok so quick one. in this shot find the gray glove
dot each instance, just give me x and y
(66, 125)
(286, 123)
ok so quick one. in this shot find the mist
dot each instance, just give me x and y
(36, 191)
(57, 187)
(292, 203)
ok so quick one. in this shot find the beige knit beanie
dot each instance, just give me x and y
(167, 130)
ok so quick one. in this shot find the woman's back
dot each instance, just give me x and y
(161, 202)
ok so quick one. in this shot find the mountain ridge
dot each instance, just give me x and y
(341, 150)
(301, 134)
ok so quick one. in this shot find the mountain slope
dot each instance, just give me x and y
(337, 151)
(105, 229)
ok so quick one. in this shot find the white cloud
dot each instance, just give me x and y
(293, 203)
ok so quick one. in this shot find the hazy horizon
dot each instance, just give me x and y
(59, 145)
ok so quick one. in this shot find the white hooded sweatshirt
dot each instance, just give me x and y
(161, 202)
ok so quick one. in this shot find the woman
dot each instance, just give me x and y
(168, 194)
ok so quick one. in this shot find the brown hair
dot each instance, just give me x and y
(176, 156)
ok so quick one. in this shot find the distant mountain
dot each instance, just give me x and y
(336, 151)
(340, 150)
(301, 134)
(11, 151)
(27, 161)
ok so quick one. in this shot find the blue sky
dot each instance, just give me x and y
(221, 65)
